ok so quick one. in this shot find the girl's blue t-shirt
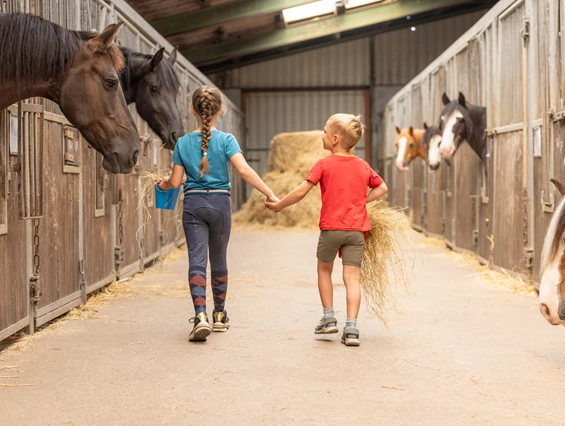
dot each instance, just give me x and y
(221, 148)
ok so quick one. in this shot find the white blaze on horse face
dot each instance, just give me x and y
(549, 293)
(401, 153)
(447, 146)
(434, 156)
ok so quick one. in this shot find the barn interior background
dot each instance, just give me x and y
(92, 231)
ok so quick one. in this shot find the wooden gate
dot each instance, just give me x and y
(14, 303)
(435, 182)
(59, 231)
(509, 146)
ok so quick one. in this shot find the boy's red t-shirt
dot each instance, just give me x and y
(344, 181)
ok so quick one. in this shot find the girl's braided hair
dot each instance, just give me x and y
(207, 102)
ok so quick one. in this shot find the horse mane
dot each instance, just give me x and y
(555, 231)
(34, 49)
(165, 71)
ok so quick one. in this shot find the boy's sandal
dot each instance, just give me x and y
(350, 337)
(327, 326)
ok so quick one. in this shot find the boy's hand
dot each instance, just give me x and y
(274, 207)
(273, 199)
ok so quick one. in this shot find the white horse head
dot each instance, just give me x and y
(552, 285)
(432, 140)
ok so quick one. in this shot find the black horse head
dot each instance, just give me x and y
(152, 83)
(461, 122)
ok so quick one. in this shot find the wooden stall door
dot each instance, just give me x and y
(509, 230)
(14, 308)
(467, 166)
(510, 215)
(59, 230)
(97, 199)
(449, 204)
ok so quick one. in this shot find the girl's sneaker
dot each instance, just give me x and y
(221, 321)
(201, 328)
(327, 326)
(350, 336)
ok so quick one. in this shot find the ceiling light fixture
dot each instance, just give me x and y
(309, 11)
(352, 4)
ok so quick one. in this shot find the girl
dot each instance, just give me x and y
(204, 155)
(344, 179)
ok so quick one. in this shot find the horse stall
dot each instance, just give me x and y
(496, 204)
(67, 226)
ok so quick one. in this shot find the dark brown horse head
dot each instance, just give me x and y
(77, 70)
(92, 99)
(152, 83)
(409, 145)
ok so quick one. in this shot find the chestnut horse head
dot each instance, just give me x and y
(409, 145)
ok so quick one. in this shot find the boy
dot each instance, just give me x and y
(344, 179)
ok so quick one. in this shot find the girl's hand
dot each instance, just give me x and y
(273, 198)
(163, 184)
(273, 206)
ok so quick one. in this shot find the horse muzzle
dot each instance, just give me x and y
(402, 165)
(116, 163)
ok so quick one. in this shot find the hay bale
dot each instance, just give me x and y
(296, 152)
(387, 264)
(291, 157)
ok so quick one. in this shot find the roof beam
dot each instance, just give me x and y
(326, 27)
(217, 15)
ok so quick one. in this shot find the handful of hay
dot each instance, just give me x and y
(386, 264)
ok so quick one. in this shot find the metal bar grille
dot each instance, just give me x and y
(30, 150)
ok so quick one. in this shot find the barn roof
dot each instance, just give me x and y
(216, 35)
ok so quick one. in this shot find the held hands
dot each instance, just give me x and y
(274, 206)
(271, 202)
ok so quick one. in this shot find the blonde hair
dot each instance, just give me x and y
(349, 127)
(207, 102)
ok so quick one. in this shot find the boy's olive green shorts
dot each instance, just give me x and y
(351, 244)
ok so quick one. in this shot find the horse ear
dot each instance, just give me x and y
(560, 187)
(107, 37)
(157, 58)
(445, 99)
(462, 100)
(411, 131)
(425, 126)
(173, 56)
(398, 130)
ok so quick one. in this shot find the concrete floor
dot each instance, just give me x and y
(465, 352)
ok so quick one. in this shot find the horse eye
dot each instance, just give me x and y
(110, 83)
(153, 89)
(411, 145)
